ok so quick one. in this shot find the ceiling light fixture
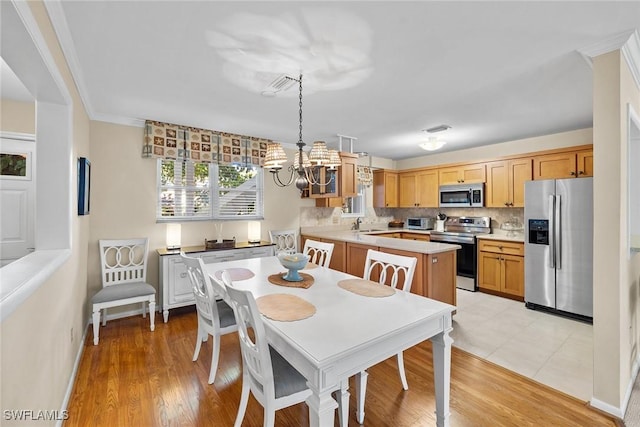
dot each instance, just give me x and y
(432, 144)
(305, 168)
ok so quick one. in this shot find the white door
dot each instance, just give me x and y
(17, 198)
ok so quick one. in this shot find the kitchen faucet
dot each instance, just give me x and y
(356, 225)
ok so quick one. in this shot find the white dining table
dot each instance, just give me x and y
(348, 332)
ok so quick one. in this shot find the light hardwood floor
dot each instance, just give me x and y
(135, 377)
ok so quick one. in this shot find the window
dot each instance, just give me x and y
(200, 191)
(355, 206)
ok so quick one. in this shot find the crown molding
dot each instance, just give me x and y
(628, 43)
(119, 120)
(18, 136)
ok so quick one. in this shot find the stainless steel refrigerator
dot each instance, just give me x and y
(558, 251)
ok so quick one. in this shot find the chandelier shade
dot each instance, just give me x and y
(319, 153)
(275, 156)
(334, 159)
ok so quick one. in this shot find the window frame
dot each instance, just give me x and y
(213, 191)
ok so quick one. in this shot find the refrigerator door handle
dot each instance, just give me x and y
(557, 232)
(552, 231)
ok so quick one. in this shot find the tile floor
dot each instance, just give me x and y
(553, 350)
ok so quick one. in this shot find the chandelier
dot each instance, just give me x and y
(306, 167)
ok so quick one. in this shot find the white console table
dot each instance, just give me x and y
(175, 286)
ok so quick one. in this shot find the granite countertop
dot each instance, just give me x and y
(373, 238)
(202, 248)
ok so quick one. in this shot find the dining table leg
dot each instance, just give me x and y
(442, 376)
(322, 408)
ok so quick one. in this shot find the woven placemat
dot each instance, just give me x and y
(285, 307)
(307, 280)
(236, 274)
(310, 266)
(366, 288)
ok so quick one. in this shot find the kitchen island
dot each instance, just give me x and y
(435, 275)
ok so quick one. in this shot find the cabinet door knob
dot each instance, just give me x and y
(573, 173)
(500, 247)
(434, 260)
(580, 172)
(506, 203)
(183, 275)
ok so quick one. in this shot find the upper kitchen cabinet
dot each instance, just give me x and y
(505, 182)
(584, 160)
(385, 189)
(467, 174)
(569, 164)
(348, 175)
(342, 182)
(418, 189)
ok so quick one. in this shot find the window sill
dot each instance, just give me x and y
(23, 277)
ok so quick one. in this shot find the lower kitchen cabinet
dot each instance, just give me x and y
(175, 286)
(339, 255)
(501, 267)
(356, 257)
(440, 276)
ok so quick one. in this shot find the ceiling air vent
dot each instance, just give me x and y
(283, 82)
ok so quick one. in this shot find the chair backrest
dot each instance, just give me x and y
(392, 268)
(203, 291)
(123, 261)
(319, 252)
(253, 346)
(286, 241)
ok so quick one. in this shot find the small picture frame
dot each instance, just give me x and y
(84, 185)
(15, 165)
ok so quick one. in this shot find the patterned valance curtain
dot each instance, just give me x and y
(365, 175)
(175, 142)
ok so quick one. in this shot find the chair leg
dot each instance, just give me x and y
(361, 392)
(269, 417)
(199, 340)
(144, 310)
(342, 396)
(152, 315)
(215, 356)
(403, 376)
(96, 326)
(104, 317)
(244, 399)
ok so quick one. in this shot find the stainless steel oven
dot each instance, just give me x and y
(462, 231)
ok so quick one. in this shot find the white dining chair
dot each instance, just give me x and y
(215, 317)
(286, 241)
(123, 266)
(319, 252)
(391, 269)
(262, 364)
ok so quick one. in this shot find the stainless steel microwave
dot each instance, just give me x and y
(462, 195)
(420, 223)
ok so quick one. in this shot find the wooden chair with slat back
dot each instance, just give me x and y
(391, 269)
(273, 381)
(215, 317)
(124, 280)
(286, 241)
(319, 252)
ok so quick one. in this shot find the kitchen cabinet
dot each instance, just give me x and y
(501, 267)
(175, 286)
(344, 184)
(440, 276)
(570, 164)
(356, 257)
(505, 182)
(385, 189)
(471, 173)
(416, 236)
(418, 189)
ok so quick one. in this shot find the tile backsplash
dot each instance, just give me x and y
(319, 217)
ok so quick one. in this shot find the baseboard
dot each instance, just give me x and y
(610, 409)
(120, 315)
(72, 377)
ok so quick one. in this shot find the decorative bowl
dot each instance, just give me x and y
(293, 263)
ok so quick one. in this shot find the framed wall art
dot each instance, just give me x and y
(84, 185)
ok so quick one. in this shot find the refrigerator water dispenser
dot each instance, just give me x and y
(539, 231)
